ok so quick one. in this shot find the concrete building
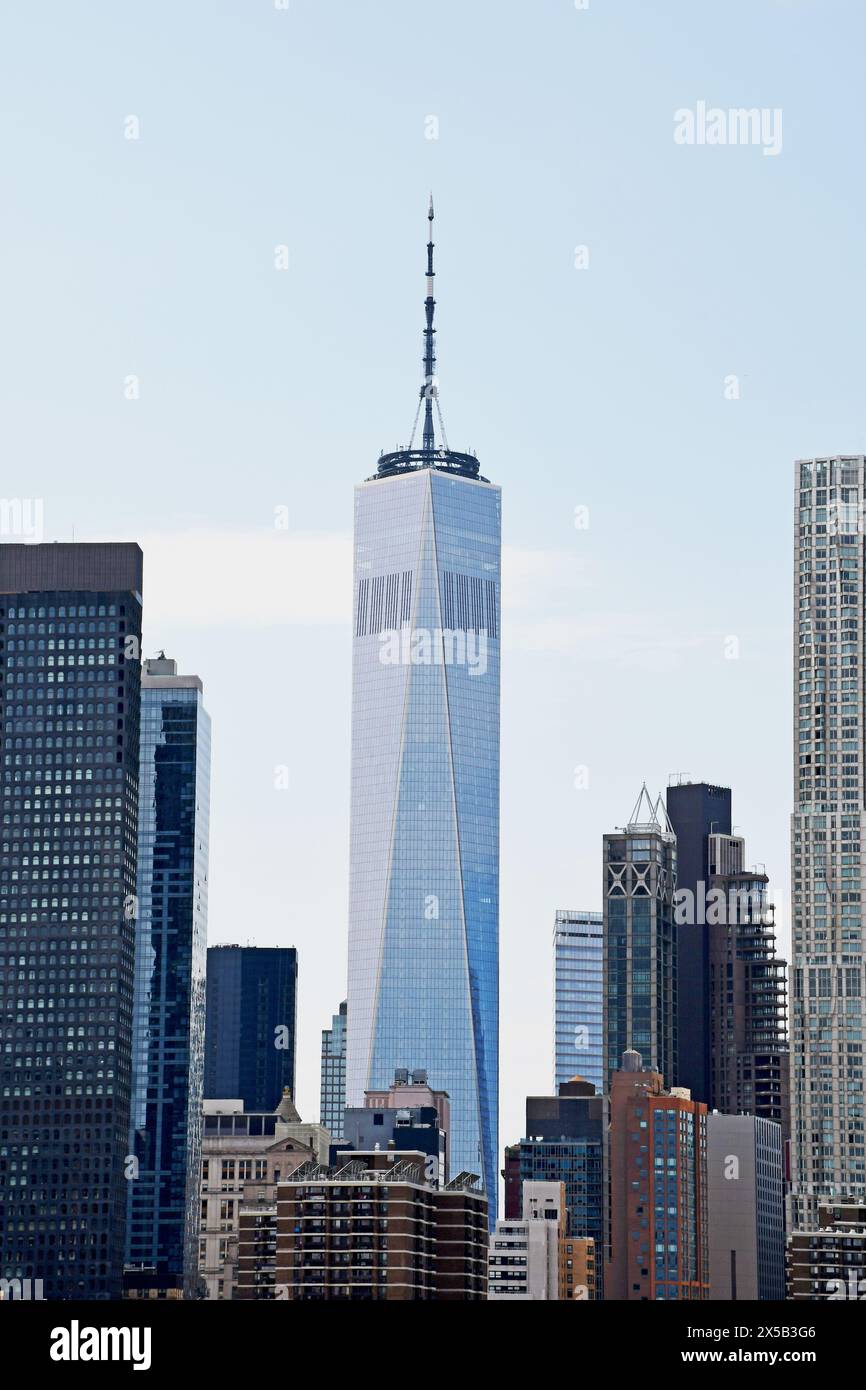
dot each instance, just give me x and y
(658, 1189)
(577, 1269)
(243, 1156)
(371, 1227)
(830, 1261)
(408, 1116)
(828, 833)
(745, 1208)
(578, 957)
(525, 1255)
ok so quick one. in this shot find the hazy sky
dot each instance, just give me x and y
(655, 640)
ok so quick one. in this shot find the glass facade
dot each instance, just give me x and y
(251, 1024)
(578, 948)
(640, 958)
(170, 971)
(828, 830)
(70, 634)
(332, 1101)
(424, 879)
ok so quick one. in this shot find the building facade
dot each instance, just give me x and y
(640, 946)
(370, 1228)
(829, 1261)
(70, 650)
(524, 1263)
(746, 1208)
(748, 995)
(424, 859)
(696, 811)
(243, 1156)
(332, 1093)
(732, 987)
(566, 1142)
(408, 1116)
(658, 1247)
(827, 832)
(170, 971)
(251, 1024)
(578, 954)
(578, 1278)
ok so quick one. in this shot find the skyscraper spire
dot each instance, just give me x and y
(428, 386)
(430, 455)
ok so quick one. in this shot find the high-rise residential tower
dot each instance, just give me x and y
(250, 1026)
(731, 985)
(658, 1189)
(578, 952)
(424, 879)
(827, 829)
(747, 989)
(332, 1095)
(70, 674)
(640, 957)
(170, 971)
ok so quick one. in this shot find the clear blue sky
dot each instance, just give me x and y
(604, 387)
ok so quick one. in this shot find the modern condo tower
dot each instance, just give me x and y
(170, 971)
(70, 639)
(640, 947)
(731, 985)
(424, 880)
(827, 829)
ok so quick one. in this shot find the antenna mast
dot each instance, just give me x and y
(428, 386)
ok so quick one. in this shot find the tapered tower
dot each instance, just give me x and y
(424, 882)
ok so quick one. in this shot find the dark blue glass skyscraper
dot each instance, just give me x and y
(424, 886)
(70, 633)
(252, 994)
(170, 971)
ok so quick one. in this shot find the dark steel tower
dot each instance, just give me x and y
(70, 680)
